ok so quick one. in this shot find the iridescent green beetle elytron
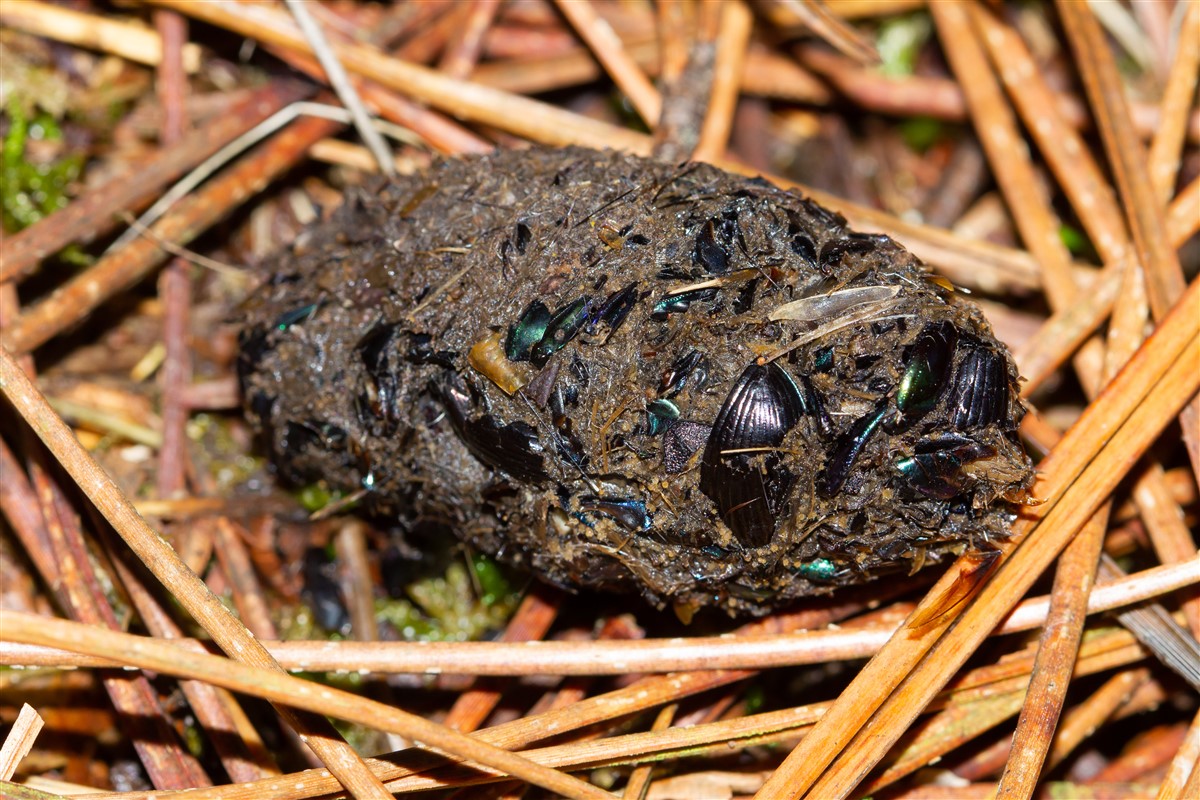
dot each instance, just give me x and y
(624, 374)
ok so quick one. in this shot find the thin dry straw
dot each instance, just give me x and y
(282, 689)
(340, 82)
(1108, 650)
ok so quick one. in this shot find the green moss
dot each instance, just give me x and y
(899, 42)
(1075, 240)
(494, 585)
(226, 460)
(316, 496)
(755, 699)
(921, 133)
(29, 191)
(453, 607)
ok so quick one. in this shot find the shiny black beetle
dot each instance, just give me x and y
(627, 374)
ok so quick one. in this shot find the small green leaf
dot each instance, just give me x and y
(316, 496)
(921, 133)
(899, 42)
(1074, 239)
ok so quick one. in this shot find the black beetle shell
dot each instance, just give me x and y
(740, 471)
(979, 394)
(513, 449)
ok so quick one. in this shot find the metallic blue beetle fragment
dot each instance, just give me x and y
(819, 569)
(837, 468)
(527, 331)
(929, 363)
(679, 303)
(290, 318)
(662, 413)
(629, 514)
(562, 328)
(935, 469)
(614, 310)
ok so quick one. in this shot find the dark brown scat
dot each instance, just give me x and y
(747, 532)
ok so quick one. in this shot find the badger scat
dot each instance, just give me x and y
(649, 441)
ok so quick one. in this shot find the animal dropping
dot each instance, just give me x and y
(629, 375)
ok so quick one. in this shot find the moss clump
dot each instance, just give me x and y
(30, 190)
(453, 607)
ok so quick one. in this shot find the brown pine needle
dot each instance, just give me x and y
(732, 40)
(1160, 263)
(1108, 650)
(283, 690)
(1059, 519)
(1177, 101)
(166, 565)
(643, 656)
(83, 294)
(1171, 351)
(583, 692)
(610, 52)
(512, 113)
(340, 81)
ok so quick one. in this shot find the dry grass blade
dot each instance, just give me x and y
(639, 781)
(732, 40)
(1163, 275)
(530, 622)
(825, 23)
(1177, 101)
(18, 791)
(1077, 566)
(512, 113)
(645, 656)
(127, 40)
(84, 293)
(340, 82)
(1128, 156)
(19, 740)
(244, 756)
(1058, 647)
(1098, 211)
(1185, 766)
(1092, 712)
(94, 211)
(972, 691)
